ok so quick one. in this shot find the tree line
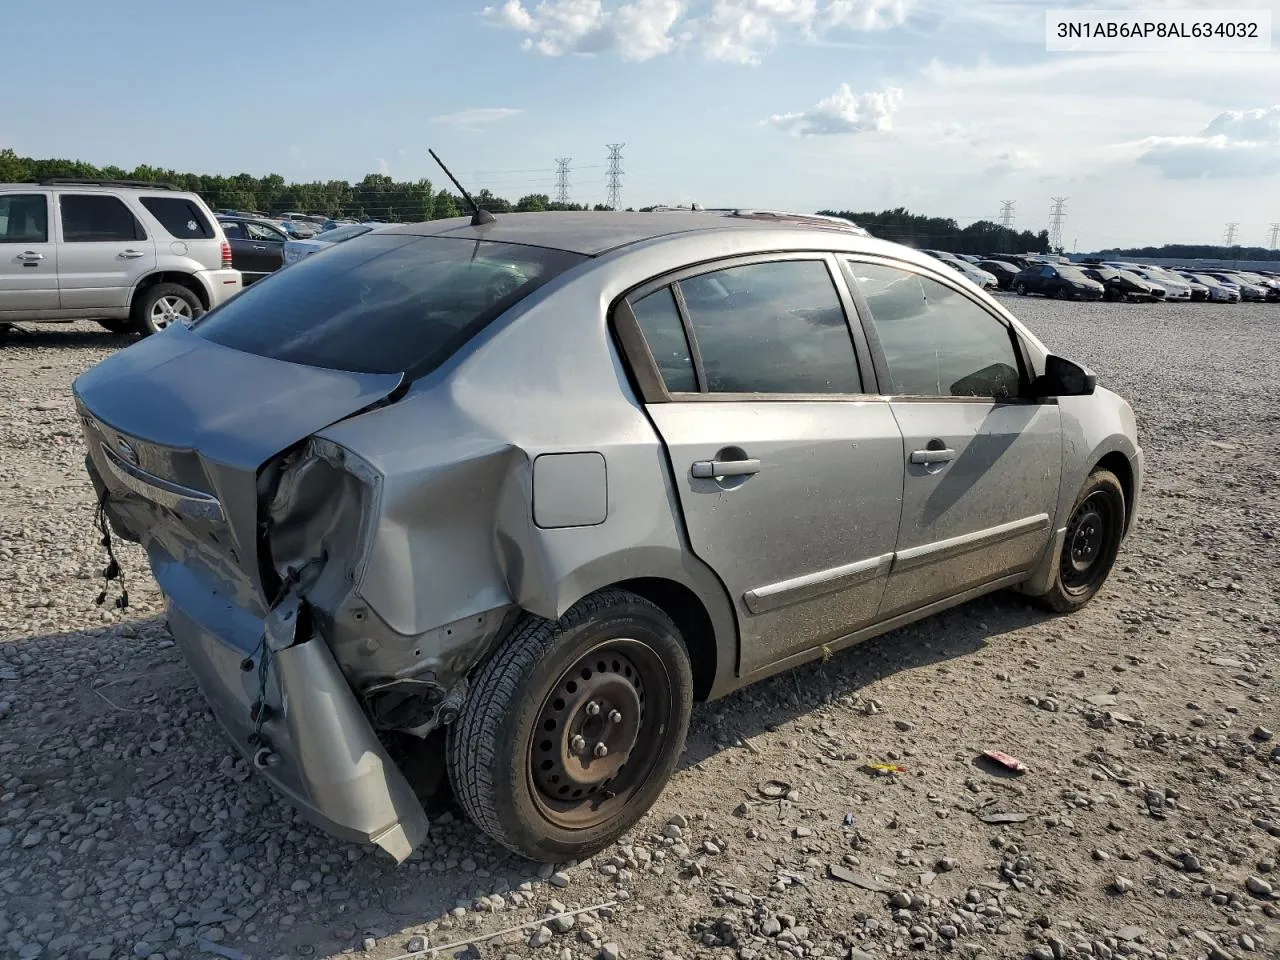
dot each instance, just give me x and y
(1189, 251)
(983, 236)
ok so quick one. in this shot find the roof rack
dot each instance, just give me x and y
(99, 182)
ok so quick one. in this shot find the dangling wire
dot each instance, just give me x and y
(113, 570)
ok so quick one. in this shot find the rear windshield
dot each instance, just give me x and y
(382, 303)
(182, 218)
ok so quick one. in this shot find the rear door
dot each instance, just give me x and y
(983, 465)
(265, 250)
(788, 469)
(28, 255)
(105, 251)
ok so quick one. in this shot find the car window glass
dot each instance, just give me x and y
(233, 229)
(97, 218)
(937, 342)
(772, 328)
(659, 321)
(24, 218)
(257, 231)
(1047, 272)
(181, 217)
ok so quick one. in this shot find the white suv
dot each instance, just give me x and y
(132, 256)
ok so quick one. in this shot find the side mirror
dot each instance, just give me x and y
(1063, 378)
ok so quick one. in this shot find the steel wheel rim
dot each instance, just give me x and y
(625, 708)
(168, 309)
(1087, 544)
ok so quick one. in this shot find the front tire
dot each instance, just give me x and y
(161, 305)
(573, 728)
(1091, 545)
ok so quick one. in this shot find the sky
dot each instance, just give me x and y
(946, 107)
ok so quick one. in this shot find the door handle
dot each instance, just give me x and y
(30, 256)
(259, 247)
(131, 254)
(932, 456)
(710, 469)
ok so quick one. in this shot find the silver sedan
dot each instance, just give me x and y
(501, 499)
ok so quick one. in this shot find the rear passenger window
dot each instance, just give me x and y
(24, 218)
(232, 230)
(937, 342)
(772, 328)
(98, 219)
(180, 217)
(659, 321)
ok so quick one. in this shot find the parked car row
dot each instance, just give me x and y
(260, 246)
(1055, 276)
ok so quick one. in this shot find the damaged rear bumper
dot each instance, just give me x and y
(317, 746)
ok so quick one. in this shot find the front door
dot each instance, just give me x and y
(28, 257)
(104, 253)
(983, 465)
(788, 473)
(263, 251)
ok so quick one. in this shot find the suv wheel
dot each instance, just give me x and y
(161, 305)
(573, 727)
(1093, 540)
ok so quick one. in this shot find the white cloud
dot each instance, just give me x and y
(477, 116)
(1235, 143)
(739, 31)
(843, 112)
(383, 168)
(1015, 160)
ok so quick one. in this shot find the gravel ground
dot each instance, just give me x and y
(1148, 823)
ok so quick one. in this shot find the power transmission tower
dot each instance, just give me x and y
(562, 179)
(1275, 237)
(615, 175)
(1057, 217)
(1231, 234)
(1006, 213)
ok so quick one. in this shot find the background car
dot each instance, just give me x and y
(132, 256)
(1057, 280)
(1175, 288)
(257, 246)
(295, 250)
(1120, 284)
(1002, 270)
(1218, 291)
(980, 278)
(394, 448)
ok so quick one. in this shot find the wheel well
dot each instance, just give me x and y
(1118, 463)
(683, 606)
(181, 279)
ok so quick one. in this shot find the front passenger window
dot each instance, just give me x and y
(938, 342)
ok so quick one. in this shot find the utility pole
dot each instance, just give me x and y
(1057, 217)
(1231, 234)
(1275, 237)
(1006, 221)
(615, 175)
(562, 179)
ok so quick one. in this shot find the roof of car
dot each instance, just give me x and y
(593, 233)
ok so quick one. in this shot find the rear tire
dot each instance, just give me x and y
(1021, 289)
(161, 305)
(573, 727)
(1092, 543)
(5, 330)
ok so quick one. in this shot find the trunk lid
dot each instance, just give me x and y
(178, 428)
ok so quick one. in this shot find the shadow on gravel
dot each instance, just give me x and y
(67, 336)
(763, 707)
(111, 720)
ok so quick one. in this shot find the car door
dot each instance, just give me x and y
(982, 463)
(265, 252)
(28, 257)
(788, 470)
(104, 252)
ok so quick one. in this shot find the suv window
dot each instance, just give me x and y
(937, 342)
(97, 218)
(385, 303)
(182, 217)
(258, 231)
(659, 321)
(772, 328)
(24, 218)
